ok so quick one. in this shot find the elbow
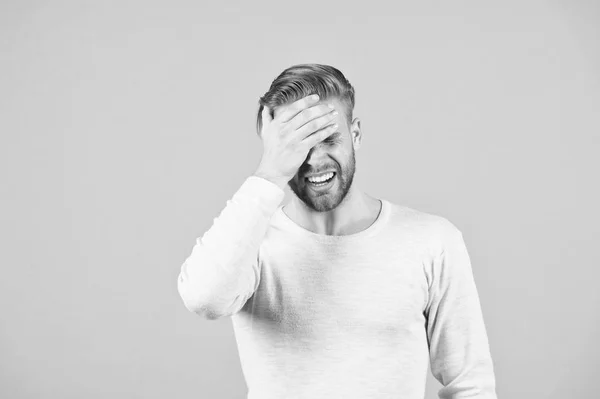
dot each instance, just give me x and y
(196, 302)
(203, 309)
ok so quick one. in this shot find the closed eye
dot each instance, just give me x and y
(331, 139)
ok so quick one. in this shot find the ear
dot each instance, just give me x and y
(356, 133)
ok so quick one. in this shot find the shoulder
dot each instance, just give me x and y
(435, 229)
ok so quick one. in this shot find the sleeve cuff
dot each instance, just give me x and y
(265, 193)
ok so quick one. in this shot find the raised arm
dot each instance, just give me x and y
(223, 269)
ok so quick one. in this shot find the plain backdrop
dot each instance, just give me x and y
(126, 126)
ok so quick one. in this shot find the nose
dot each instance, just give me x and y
(317, 159)
(318, 151)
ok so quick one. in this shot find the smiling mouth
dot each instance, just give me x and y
(324, 184)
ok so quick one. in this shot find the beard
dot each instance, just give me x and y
(326, 200)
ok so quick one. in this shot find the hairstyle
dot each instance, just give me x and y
(302, 80)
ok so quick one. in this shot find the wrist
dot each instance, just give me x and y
(281, 183)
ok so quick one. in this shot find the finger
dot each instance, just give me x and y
(320, 135)
(311, 114)
(294, 108)
(316, 124)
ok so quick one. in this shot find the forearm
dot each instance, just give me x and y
(222, 271)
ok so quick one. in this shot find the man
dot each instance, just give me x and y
(336, 294)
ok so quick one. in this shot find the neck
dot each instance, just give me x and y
(355, 213)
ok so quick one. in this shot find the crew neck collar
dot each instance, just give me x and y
(370, 231)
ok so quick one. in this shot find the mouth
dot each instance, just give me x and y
(321, 186)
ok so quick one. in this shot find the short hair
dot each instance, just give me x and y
(302, 80)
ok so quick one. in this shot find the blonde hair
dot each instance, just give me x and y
(302, 80)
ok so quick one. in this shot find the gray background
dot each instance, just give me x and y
(127, 125)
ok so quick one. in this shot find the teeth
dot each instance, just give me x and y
(324, 177)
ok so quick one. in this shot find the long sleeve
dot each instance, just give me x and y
(458, 344)
(223, 269)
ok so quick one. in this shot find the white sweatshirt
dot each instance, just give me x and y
(358, 316)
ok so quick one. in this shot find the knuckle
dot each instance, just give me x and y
(309, 113)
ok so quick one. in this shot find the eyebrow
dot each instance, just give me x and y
(334, 136)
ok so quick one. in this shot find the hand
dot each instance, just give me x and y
(288, 138)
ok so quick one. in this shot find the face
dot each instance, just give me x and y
(336, 153)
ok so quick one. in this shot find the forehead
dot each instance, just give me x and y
(339, 106)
